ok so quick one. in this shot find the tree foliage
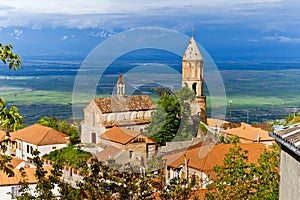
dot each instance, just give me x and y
(7, 56)
(171, 119)
(10, 118)
(238, 179)
(179, 189)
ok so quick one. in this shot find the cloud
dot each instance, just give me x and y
(282, 38)
(64, 37)
(17, 34)
(108, 14)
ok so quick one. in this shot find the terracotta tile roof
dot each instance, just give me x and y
(15, 162)
(5, 180)
(247, 132)
(126, 103)
(108, 153)
(122, 135)
(216, 122)
(39, 135)
(204, 156)
(2, 135)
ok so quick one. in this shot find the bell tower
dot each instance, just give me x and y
(192, 77)
(120, 86)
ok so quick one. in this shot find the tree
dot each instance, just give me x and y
(171, 118)
(267, 174)
(11, 120)
(7, 56)
(235, 179)
(238, 179)
(179, 189)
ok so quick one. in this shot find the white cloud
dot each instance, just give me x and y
(282, 38)
(17, 34)
(64, 37)
(109, 14)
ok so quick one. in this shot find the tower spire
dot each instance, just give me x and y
(120, 86)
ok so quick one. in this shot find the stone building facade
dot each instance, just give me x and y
(101, 114)
(192, 77)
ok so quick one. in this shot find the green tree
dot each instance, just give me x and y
(179, 189)
(267, 174)
(11, 120)
(7, 56)
(171, 118)
(99, 181)
(234, 179)
(238, 179)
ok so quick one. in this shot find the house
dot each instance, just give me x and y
(36, 137)
(200, 159)
(249, 134)
(9, 186)
(125, 145)
(288, 139)
(101, 114)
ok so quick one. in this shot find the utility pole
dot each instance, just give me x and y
(230, 112)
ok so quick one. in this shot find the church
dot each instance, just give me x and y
(134, 112)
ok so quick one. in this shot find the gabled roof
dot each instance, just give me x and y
(39, 135)
(125, 103)
(204, 156)
(247, 132)
(15, 162)
(14, 180)
(122, 135)
(212, 122)
(108, 153)
(289, 137)
(2, 135)
(192, 52)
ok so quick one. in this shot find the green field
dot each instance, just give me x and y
(264, 94)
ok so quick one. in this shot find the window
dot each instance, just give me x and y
(31, 150)
(27, 148)
(131, 154)
(53, 147)
(15, 192)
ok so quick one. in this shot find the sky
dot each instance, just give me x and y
(228, 30)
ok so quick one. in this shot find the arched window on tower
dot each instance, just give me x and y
(194, 87)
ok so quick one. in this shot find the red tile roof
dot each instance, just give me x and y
(247, 132)
(39, 135)
(108, 153)
(2, 135)
(122, 135)
(15, 162)
(126, 103)
(204, 156)
(5, 180)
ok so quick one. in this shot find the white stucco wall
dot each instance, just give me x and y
(289, 177)
(22, 153)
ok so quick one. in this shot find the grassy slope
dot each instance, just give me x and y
(70, 155)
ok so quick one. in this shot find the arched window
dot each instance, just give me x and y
(195, 88)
